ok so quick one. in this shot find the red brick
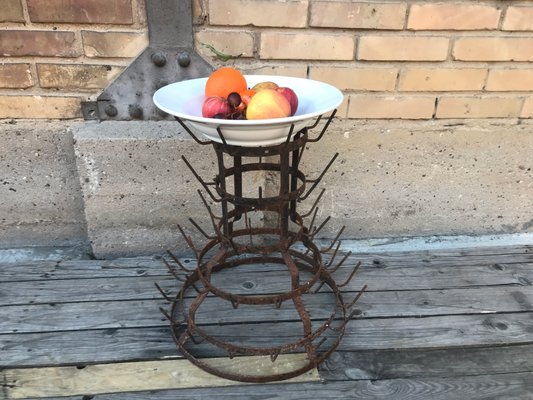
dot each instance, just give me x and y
(358, 15)
(453, 16)
(493, 49)
(38, 43)
(11, 11)
(403, 48)
(15, 76)
(81, 11)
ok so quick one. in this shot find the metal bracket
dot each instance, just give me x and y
(170, 57)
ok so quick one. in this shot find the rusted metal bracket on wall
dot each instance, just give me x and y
(169, 57)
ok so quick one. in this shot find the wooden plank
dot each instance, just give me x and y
(119, 344)
(424, 363)
(66, 291)
(144, 313)
(501, 386)
(149, 375)
(376, 277)
(86, 347)
(150, 266)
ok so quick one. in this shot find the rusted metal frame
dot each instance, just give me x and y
(326, 126)
(300, 308)
(259, 202)
(274, 351)
(191, 134)
(204, 184)
(284, 173)
(221, 183)
(327, 249)
(294, 179)
(205, 273)
(180, 264)
(316, 181)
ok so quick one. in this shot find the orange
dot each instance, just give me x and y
(224, 81)
(246, 95)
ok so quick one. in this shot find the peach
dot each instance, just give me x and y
(268, 103)
(264, 85)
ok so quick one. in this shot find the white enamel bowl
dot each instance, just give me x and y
(185, 99)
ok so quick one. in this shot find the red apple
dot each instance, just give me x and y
(291, 97)
(268, 103)
(216, 106)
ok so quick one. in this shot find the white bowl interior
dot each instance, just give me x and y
(185, 99)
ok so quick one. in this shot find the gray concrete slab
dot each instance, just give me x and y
(41, 202)
(427, 178)
(124, 187)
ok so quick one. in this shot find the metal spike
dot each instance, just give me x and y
(177, 261)
(192, 134)
(200, 229)
(314, 204)
(234, 303)
(202, 182)
(356, 298)
(324, 251)
(350, 277)
(331, 271)
(325, 127)
(319, 287)
(320, 343)
(317, 180)
(333, 256)
(274, 355)
(163, 293)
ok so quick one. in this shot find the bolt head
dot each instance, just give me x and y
(111, 110)
(135, 111)
(184, 59)
(159, 59)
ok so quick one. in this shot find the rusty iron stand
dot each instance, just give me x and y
(236, 243)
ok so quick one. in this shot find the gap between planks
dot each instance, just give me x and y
(139, 376)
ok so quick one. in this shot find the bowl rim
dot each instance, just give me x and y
(242, 123)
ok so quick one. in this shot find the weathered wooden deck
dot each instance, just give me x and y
(455, 324)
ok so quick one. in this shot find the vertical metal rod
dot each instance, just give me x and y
(237, 186)
(283, 192)
(294, 178)
(222, 181)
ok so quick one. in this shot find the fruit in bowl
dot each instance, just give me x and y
(267, 104)
(227, 96)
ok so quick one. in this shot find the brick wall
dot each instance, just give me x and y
(393, 59)
(56, 53)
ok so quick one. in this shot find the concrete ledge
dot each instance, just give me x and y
(40, 197)
(393, 179)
